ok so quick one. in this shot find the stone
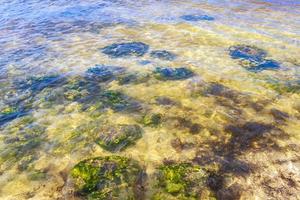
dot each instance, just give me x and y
(119, 50)
(152, 119)
(117, 137)
(265, 65)
(10, 114)
(167, 73)
(111, 177)
(37, 84)
(247, 52)
(102, 73)
(182, 180)
(163, 55)
(119, 101)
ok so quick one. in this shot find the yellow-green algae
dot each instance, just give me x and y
(111, 177)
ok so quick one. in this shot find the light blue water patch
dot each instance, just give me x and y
(195, 18)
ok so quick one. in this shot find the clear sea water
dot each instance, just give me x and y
(237, 121)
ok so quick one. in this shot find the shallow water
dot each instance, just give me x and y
(69, 79)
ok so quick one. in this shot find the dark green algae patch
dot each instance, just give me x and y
(111, 177)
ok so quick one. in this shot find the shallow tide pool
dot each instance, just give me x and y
(158, 100)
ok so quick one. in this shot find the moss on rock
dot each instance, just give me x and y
(182, 180)
(111, 177)
(118, 101)
(152, 119)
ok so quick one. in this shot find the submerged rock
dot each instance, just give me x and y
(163, 54)
(246, 52)
(265, 65)
(252, 58)
(167, 73)
(10, 113)
(111, 177)
(103, 73)
(118, 101)
(185, 123)
(133, 78)
(126, 49)
(165, 101)
(152, 119)
(117, 137)
(21, 138)
(126, 79)
(37, 84)
(291, 86)
(181, 180)
(194, 18)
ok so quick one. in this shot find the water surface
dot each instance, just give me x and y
(211, 83)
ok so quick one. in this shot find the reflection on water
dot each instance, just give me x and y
(150, 99)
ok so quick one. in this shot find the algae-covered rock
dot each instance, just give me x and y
(117, 137)
(111, 177)
(152, 119)
(264, 65)
(126, 49)
(182, 180)
(133, 78)
(163, 55)
(167, 73)
(38, 83)
(194, 18)
(253, 58)
(282, 87)
(10, 113)
(247, 52)
(103, 73)
(119, 101)
(21, 139)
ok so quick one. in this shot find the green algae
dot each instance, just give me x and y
(182, 180)
(283, 87)
(152, 119)
(22, 139)
(131, 78)
(118, 101)
(8, 110)
(111, 177)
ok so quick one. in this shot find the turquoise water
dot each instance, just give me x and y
(149, 99)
